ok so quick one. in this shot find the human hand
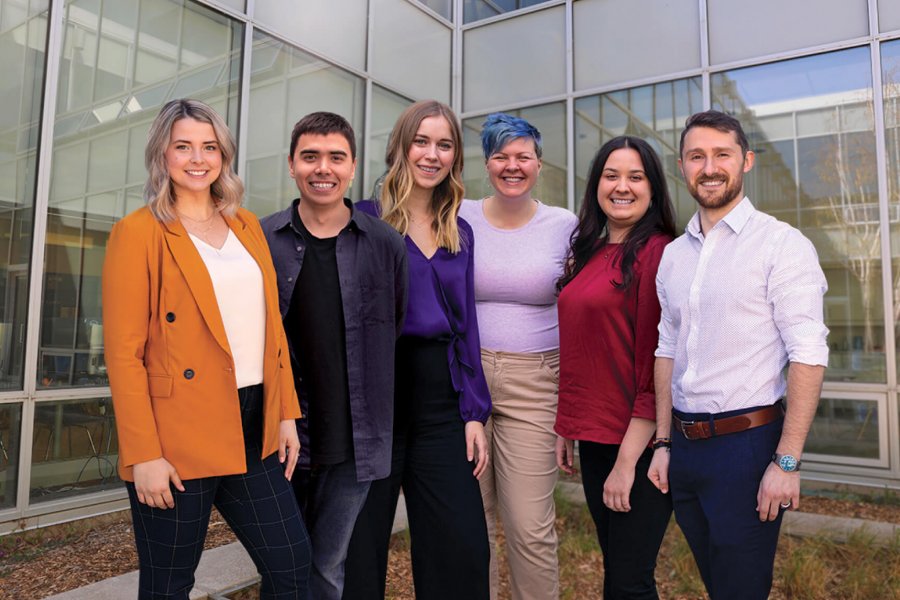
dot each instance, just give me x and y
(659, 470)
(778, 490)
(617, 488)
(288, 446)
(476, 447)
(565, 455)
(151, 482)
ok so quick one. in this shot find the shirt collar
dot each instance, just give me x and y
(288, 216)
(736, 218)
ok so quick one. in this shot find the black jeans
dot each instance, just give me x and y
(630, 541)
(450, 553)
(260, 507)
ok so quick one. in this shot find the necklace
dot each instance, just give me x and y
(200, 221)
(198, 230)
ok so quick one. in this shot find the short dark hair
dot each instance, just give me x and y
(323, 123)
(719, 121)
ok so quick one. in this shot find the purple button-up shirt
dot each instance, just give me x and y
(442, 307)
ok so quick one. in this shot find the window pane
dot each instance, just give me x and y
(441, 7)
(410, 50)
(335, 28)
(386, 109)
(286, 84)
(475, 10)
(515, 60)
(740, 29)
(603, 34)
(74, 449)
(23, 35)
(655, 113)
(10, 430)
(550, 120)
(810, 122)
(98, 150)
(888, 15)
(845, 428)
(890, 64)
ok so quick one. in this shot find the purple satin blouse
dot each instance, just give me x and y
(442, 307)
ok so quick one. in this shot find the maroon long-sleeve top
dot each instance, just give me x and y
(607, 338)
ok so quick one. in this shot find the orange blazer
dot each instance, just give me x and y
(170, 368)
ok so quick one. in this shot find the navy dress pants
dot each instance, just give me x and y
(630, 540)
(448, 532)
(714, 483)
(258, 505)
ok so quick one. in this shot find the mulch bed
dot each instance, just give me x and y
(40, 563)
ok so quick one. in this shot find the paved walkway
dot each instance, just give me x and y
(228, 568)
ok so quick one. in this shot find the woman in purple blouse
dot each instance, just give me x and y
(441, 397)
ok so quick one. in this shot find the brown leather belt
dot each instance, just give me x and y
(701, 430)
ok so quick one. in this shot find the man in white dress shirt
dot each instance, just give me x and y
(741, 296)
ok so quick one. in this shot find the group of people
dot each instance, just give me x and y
(299, 371)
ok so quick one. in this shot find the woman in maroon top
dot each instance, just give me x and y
(608, 317)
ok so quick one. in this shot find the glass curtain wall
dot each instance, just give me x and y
(655, 113)
(286, 84)
(120, 62)
(23, 41)
(810, 122)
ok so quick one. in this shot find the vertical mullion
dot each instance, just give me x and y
(704, 54)
(570, 107)
(887, 279)
(53, 59)
(244, 96)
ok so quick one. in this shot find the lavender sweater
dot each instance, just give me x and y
(515, 278)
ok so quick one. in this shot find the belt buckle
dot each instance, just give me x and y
(684, 428)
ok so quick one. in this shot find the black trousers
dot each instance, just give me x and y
(450, 553)
(630, 540)
(258, 505)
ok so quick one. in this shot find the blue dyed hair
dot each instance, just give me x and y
(500, 129)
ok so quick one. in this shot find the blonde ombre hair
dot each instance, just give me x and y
(399, 180)
(227, 190)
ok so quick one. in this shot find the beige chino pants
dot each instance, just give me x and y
(517, 487)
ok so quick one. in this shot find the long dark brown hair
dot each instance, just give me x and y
(592, 235)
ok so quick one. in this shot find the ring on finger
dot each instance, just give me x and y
(786, 504)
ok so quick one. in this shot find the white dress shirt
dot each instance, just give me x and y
(738, 304)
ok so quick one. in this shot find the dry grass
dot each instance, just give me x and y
(39, 563)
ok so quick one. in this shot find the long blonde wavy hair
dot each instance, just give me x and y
(399, 180)
(227, 190)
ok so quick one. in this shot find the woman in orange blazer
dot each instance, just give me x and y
(198, 366)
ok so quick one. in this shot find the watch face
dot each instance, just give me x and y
(787, 463)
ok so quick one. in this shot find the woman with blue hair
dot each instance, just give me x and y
(522, 245)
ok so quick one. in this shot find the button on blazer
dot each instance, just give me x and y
(170, 368)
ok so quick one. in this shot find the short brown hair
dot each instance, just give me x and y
(323, 123)
(718, 121)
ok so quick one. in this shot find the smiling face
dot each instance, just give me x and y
(713, 167)
(513, 170)
(322, 167)
(623, 193)
(431, 153)
(193, 157)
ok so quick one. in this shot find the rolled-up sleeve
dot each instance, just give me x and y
(665, 347)
(797, 288)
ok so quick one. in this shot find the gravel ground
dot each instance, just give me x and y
(44, 562)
